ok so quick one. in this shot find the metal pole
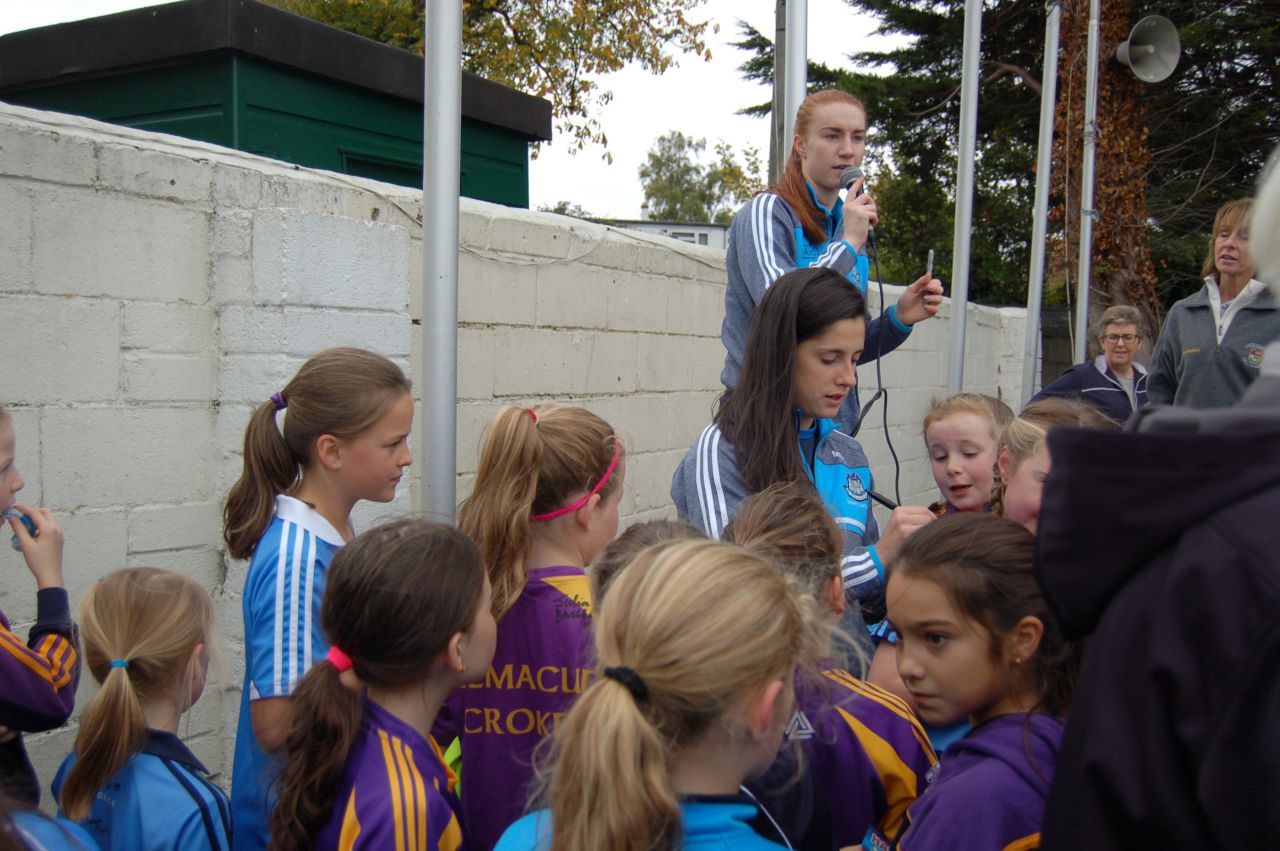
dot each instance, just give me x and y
(441, 166)
(779, 145)
(964, 189)
(1039, 227)
(797, 59)
(1086, 188)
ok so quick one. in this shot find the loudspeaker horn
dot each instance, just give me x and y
(1152, 50)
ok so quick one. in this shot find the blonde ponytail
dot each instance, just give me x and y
(701, 624)
(532, 461)
(140, 627)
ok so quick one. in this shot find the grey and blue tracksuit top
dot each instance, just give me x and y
(767, 240)
(708, 488)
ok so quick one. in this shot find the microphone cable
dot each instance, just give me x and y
(873, 255)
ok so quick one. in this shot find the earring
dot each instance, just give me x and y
(461, 668)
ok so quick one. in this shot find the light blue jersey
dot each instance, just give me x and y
(282, 639)
(161, 800)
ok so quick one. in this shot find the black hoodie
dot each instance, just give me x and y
(1162, 543)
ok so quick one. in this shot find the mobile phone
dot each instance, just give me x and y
(26, 521)
(928, 269)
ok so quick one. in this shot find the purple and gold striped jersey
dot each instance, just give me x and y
(542, 663)
(866, 758)
(395, 793)
(39, 678)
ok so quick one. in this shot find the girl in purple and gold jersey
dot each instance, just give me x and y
(407, 617)
(976, 638)
(545, 502)
(864, 756)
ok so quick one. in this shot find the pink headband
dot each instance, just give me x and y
(338, 659)
(569, 509)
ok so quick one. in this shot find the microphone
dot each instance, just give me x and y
(848, 177)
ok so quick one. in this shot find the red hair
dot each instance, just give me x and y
(791, 185)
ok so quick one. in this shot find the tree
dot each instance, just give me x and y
(567, 208)
(1210, 128)
(680, 188)
(550, 48)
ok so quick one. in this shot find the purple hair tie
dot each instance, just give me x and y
(281, 402)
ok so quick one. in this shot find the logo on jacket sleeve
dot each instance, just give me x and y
(1253, 355)
(854, 487)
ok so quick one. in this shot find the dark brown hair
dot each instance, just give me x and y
(985, 565)
(758, 415)
(341, 392)
(789, 521)
(623, 549)
(396, 595)
(531, 463)
(791, 185)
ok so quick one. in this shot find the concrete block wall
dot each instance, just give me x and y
(153, 290)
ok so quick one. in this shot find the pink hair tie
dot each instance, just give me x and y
(532, 415)
(569, 509)
(338, 659)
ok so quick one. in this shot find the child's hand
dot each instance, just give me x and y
(904, 520)
(7, 735)
(43, 553)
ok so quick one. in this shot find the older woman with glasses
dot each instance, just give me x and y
(1213, 342)
(1113, 382)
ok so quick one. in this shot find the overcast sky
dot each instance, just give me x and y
(698, 98)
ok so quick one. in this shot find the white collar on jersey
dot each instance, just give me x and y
(297, 511)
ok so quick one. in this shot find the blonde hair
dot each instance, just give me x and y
(1024, 435)
(988, 407)
(703, 624)
(152, 619)
(1230, 216)
(342, 392)
(532, 462)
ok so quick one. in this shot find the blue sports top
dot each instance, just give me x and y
(161, 800)
(711, 823)
(282, 639)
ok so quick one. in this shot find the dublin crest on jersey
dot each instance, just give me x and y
(853, 486)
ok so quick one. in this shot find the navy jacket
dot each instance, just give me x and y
(1096, 384)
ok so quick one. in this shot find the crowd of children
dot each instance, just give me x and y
(720, 698)
(532, 680)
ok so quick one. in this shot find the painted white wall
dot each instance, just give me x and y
(154, 289)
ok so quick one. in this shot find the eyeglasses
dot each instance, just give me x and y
(1121, 338)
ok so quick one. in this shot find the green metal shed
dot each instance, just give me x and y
(252, 77)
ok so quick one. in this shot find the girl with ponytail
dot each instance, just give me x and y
(698, 648)
(544, 504)
(800, 222)
(408, 618)
(130, 782)
(337, 433)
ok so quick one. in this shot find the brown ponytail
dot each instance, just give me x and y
(791, 185)
(532, 462)
(416, 582)
(341, 392)
(152, 619)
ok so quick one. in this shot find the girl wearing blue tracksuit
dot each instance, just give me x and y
(778, 424)
(800, 222)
